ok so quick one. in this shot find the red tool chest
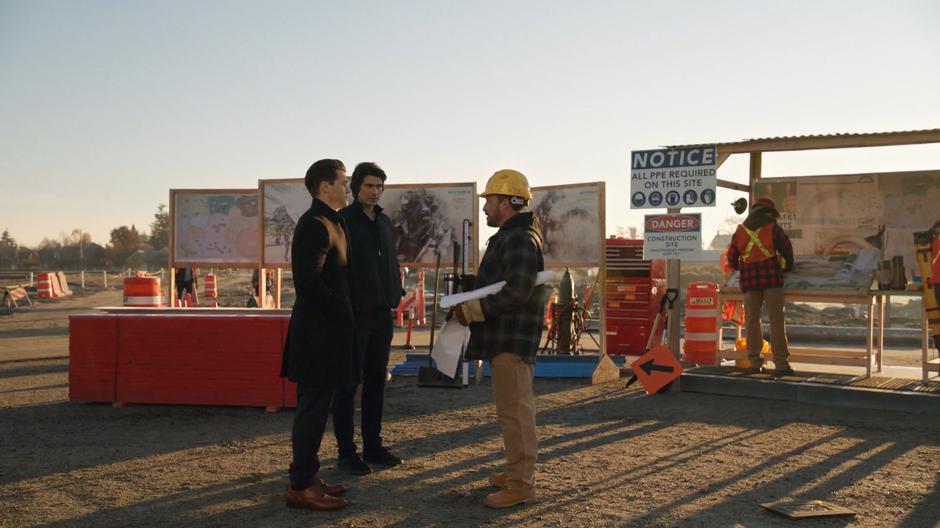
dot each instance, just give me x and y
(634, 288)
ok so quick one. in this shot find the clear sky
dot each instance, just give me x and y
(106, 105)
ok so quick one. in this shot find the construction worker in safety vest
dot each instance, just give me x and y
(762, 252)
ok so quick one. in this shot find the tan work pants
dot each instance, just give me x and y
(515, 407)
(753, 301)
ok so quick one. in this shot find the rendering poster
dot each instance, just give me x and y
(842, 215)
(572, 221)
(213, 227)
(835, 224)
(283, 201)
(428, 218)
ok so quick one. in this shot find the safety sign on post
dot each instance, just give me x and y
(656, 368)
(673, 178)
(672, 236)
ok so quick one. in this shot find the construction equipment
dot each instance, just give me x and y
(665, 306)
(569, 318)
(429, 376)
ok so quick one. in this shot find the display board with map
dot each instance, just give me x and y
(217, 227)
(572, 218)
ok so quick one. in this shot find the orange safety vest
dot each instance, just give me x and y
(756, 245)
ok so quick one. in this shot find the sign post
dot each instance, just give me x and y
(673, 179)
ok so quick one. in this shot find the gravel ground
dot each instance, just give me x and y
(608, 457)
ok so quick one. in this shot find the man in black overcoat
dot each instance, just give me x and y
(319, 350)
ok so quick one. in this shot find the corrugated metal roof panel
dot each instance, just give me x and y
(811, 136)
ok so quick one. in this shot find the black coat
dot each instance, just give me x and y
(319, 348)
(374, 274)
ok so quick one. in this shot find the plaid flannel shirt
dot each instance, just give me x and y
(514, 314)
(764, 274)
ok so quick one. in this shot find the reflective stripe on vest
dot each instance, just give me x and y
(754, 240)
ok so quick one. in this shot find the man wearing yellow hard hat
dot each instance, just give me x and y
(506, 327)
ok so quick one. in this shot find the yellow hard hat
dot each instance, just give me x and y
(508, 182)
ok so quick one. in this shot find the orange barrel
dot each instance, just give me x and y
(142, 292)
(211, 291)
(44, 286)
(701, 322)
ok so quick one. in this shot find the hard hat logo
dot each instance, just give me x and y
(508, 182)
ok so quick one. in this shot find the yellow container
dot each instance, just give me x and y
(740, 345)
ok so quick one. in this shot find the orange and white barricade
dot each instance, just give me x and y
(407, 303)
(211, 292)
(44, 286)
(63, 284)
(142, 291)
(701, 322)
(12, 294)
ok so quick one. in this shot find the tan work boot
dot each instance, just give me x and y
(498, 479)
(506, 497)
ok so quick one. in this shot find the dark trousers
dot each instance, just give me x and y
(313, 409)
(372, 341)
(183, 288)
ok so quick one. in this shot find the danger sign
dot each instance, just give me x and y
(673, 236)
(656, 368)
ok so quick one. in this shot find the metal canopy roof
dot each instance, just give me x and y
(825, 141)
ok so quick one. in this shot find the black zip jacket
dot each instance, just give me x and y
(374, 279)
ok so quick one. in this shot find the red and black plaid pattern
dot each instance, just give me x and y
(761, 275)
(514, 314)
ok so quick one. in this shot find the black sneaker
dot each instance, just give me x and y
(784, 371)
(353, 465)
(382, 457)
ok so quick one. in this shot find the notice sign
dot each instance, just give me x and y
(673, 236)
(684, 177)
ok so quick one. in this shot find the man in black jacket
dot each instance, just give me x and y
(319, 349)
(376, 290)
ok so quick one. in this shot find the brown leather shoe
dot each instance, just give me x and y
(313, 498)
(336, 490)
(498, 479)
(506, 497)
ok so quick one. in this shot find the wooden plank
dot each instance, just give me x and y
(733, 185)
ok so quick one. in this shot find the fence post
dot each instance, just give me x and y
(82, 274)
(105, 275)
(31, 279)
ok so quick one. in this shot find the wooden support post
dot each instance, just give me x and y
(754, 172)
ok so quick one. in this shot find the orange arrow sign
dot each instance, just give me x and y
(656, 368)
